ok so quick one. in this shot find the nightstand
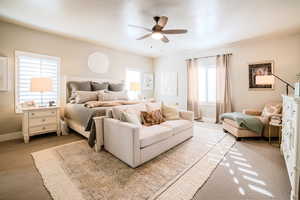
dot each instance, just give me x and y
(275, 126)
(40, 120)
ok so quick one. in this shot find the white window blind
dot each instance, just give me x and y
(29, 65)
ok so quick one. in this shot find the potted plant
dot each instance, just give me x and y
(297, 85)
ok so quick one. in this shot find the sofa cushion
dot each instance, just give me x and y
(178, 125)
(153, 134)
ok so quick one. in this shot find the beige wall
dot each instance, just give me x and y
(284, 51)
(73, 54)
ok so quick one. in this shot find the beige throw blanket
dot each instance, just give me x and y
(93, 104)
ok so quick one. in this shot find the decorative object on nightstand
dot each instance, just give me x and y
(275, 123)
(40, 120)
(41, 84)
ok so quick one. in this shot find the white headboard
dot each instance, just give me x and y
(74, 78)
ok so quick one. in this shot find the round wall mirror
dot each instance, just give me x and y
(98, 63)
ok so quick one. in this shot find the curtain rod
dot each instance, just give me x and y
(210, 56)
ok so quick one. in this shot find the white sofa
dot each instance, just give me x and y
(136, 145)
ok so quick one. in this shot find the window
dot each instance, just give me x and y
(207, 80)
(29, 65)
(133, 77)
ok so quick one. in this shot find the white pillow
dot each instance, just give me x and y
(131, 118)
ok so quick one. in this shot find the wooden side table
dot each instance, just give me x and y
(40, 120)
(278, 128)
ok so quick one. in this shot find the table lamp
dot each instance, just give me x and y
(270, 79)
(135, 87)
(41, 84)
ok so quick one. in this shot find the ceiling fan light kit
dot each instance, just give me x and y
(157, 31)
(157, 35)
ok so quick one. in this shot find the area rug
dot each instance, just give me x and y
(74, 171)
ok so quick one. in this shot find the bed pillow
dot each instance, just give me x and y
(74, 86)
(99, 86)
(117, 87)
(112, 96)
(132, 118)
(85, 96)
(170, 113)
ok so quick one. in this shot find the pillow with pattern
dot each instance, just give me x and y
(152, 118)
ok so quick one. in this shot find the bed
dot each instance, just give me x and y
(77, 116)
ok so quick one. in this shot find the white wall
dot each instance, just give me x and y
(284, 51)
(73, 54)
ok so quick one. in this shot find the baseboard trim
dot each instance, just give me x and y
(11, 136)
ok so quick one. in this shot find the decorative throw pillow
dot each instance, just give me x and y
(169, 113)
(85, 96)
(271, 110)
(99, 86)
(132, 118)
(152, 118)
(137, 108)
(117, 87)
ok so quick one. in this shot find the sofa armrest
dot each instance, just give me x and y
(187, 115)
(253, 112)
(122, 140)
(99, 132)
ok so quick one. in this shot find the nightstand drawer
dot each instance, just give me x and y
(44, 128)
(42, 113)
(42, 120)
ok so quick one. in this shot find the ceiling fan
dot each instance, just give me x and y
(157, 31)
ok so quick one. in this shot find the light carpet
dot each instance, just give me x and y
(75, 171)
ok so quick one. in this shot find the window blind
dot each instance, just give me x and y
(29, 66)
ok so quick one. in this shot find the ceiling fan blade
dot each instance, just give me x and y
(164, 39)
(174, 31)
(162, 21)
(140, 27)
(145, 36)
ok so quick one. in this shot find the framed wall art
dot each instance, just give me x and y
(148, 81)
(260, 69)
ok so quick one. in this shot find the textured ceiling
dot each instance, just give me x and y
(209, 22)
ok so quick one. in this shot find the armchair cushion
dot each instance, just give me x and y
(153, 134)
(178, 125)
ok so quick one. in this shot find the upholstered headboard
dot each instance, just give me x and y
(67, 79)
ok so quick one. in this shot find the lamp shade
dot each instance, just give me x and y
(264, 80)
(41, 84)
(135, 86)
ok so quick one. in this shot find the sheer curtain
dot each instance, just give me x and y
(223, 89)
(193, 88)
